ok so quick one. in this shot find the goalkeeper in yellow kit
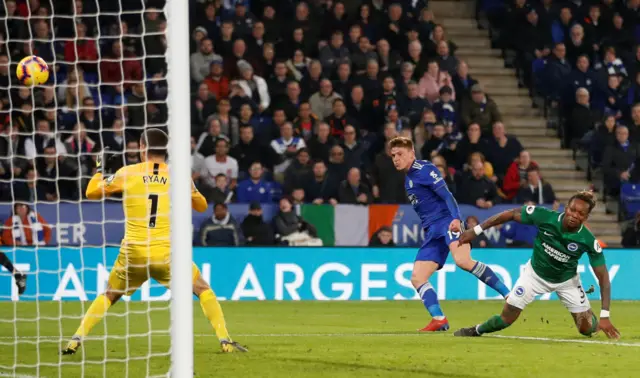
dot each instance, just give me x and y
(146, 250)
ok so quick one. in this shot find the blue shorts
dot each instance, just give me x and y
(436, 243)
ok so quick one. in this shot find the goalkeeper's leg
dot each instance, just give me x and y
(213, 312)
(21, 278)
(94, 315)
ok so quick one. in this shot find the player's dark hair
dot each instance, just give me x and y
(401, 142)
(155, 142)
(587, 196)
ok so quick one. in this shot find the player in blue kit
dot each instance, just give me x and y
(441, 221)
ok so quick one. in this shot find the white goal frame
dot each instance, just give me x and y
(178, 78)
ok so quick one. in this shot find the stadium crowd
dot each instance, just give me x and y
(296, 99)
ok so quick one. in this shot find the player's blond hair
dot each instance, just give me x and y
(587, 196)
(401, 142)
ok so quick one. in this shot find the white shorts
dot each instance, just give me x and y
(530, 285)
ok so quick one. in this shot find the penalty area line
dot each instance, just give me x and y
(569, 341)
(18, 375)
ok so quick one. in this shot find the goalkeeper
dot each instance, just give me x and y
(20, 278)
(145, 250)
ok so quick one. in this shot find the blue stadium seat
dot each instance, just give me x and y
(630, 200)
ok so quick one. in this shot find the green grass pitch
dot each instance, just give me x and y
(320, 339)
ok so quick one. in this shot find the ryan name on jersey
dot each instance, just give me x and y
(154, 179)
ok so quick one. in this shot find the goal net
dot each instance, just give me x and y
(107, 84)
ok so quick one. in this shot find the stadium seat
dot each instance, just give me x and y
(629, 200)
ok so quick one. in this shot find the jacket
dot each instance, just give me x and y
(257, 232)
(347, 194)
(322, 106)
(484, 114)
(511, 181)
(224, 232)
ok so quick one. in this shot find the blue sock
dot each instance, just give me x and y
(430, 300)
(486, 275)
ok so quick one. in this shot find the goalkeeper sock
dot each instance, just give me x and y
(213, 312)
(486, 275)
(94, 315)
(4, 261)
(430, 300)
(494, 324)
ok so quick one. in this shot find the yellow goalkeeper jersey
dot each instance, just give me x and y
(145, 199)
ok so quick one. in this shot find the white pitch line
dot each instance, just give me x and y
(18, 376)
(281, 335)
(573, 341)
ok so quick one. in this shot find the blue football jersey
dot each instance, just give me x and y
(421, 183)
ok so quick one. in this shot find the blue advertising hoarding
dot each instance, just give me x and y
(71, 274)
(99, 224)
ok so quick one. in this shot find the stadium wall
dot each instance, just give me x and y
(99, 224)
(72, 274)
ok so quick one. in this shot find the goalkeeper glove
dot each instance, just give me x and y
(106, 160)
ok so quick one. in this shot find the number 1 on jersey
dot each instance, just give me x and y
(154, 210)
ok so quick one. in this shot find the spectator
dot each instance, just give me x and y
(136, 109)
(306, 123)
(291, 229)
(388, 100)
(337, 166)
(437, 36)
(362, 54)
(73, 90)
(414, 105)
(343, 83)
(388, 182)
(322, 102)
(339, 119)
(239, 53)
(225, 38)
(616, 101)
(286, 148)
(471, 143)
(255, 188)
(605, 135)
(221, 230)
(382, 238)
(619, 161)
(254, 228)
(310, 83)
(631, 234)
(435, 144)
(353, 190)
(243, 19)
(228, 123)
(58, 176)
(221, 192)
(516, 176)
(131, 155)
(218, 163)
(533, 44)
(277, 83)
(334, 53)
(81, 50)
(80, 146)
(298, 172)
(536, 191)
(370, 82)
(480, 109)
(447, 62)
(463, 82)
(578, 45)
(216, 81)
(481, 241)
(478, 189)
(291, 102)
(30, 189)
(206, 144)
(355, 152)
(323, 187)
(583, 77)
(25, 227)
(389, 60)
(202, 107)
(445, 107)
(556, 70)
(560, 29)
(503, 149)
(321, 143)
(430, 83)
(254, 86)
(583, 118)
(43, 137)
(488, 168)
(119, 70)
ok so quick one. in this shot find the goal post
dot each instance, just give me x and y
(178, 78)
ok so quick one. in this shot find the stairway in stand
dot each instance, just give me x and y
(528, 124)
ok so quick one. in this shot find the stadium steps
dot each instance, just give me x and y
(487, 66)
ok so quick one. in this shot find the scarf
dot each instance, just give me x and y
(222, 221)
(37, 231)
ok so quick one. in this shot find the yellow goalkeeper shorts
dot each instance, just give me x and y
(134, 266)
